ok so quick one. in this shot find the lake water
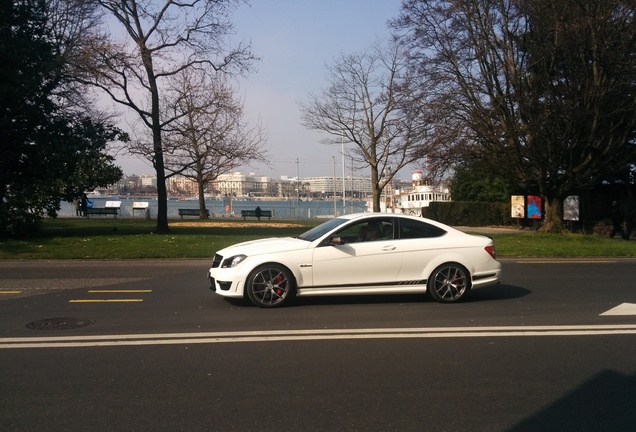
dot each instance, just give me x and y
(280, 209)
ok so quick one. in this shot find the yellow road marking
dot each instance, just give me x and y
(107, 301)
(98, 291)
(10, 292)
(119, 291)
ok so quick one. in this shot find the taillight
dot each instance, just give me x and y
(491, 251)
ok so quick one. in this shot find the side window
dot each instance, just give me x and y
(387, 229)
(368, 230)
(350, 233)
(410, 229)
(376, 229)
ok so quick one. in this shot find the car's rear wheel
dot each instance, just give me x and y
(270, 285)
(449, 283)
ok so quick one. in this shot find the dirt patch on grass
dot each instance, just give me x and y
(215, 224)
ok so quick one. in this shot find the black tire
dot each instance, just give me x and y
(449, 283)
(270, 285)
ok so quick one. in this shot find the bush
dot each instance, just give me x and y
(470, 213)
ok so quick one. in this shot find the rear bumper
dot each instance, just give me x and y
(486, 279)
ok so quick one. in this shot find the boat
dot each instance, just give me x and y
(411, 200)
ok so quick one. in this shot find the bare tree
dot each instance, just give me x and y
(209, 136)
(159, 41)
(71, 31)
(541, 92)
(369, 103)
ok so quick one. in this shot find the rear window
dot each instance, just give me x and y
(411, 229)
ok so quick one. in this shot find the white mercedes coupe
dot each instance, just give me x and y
(366, 253)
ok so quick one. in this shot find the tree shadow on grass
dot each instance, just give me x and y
(95, 227)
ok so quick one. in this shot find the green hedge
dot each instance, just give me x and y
(470, 213)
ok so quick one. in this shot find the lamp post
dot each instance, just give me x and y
(335, 211)
(344, 188)
(297, 187)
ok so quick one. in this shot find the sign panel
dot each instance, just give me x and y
(517, 206)
(571, 208)
(534, 207)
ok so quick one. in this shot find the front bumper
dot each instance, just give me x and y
(225, 282)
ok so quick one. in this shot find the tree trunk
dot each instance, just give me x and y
(158, 162)
(203, 214)
(553, 222)
(162, 191)
(375, 188)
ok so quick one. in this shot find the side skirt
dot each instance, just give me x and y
(408, 287)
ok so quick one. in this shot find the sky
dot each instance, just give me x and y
(296, 40)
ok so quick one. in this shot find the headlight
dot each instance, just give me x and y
(233, 261)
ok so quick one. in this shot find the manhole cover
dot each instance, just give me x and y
(60, 323)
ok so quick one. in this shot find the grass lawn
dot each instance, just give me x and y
(109, 238)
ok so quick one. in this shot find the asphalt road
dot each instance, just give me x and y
(145, 346)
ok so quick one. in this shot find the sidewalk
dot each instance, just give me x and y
(491, 230)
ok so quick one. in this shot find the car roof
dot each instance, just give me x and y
(356, 216)
(366, 215)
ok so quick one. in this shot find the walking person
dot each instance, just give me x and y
(83, 205)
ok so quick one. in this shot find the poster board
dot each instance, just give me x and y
(517, 206)
(571, 208)
(534, 207)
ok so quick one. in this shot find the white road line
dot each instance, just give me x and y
(310, 335)
(621, 310)
(565, 261)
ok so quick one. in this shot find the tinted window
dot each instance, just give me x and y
(367, 230)
(410, 229)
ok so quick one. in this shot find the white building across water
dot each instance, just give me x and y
(411, 200)
(240, 184)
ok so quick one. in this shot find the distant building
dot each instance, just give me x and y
(240, 184)
(180, 185)
(128, 184)
(148, 180)
(354, 186)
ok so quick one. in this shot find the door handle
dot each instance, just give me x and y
(388, 248)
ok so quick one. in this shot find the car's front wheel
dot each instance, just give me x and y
(449, 283)
(270, 285)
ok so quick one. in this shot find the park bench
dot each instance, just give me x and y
(191, 212)
(110, 208)
(102, 211)
(252, 213)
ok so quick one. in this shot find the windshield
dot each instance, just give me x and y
(322, 229)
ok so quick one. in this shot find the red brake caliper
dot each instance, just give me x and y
(279, 279)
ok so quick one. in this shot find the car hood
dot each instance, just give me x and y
(265, 246)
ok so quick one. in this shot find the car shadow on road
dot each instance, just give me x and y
(492, 293)
(497, 292)
(344, 300)
(605, 402)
